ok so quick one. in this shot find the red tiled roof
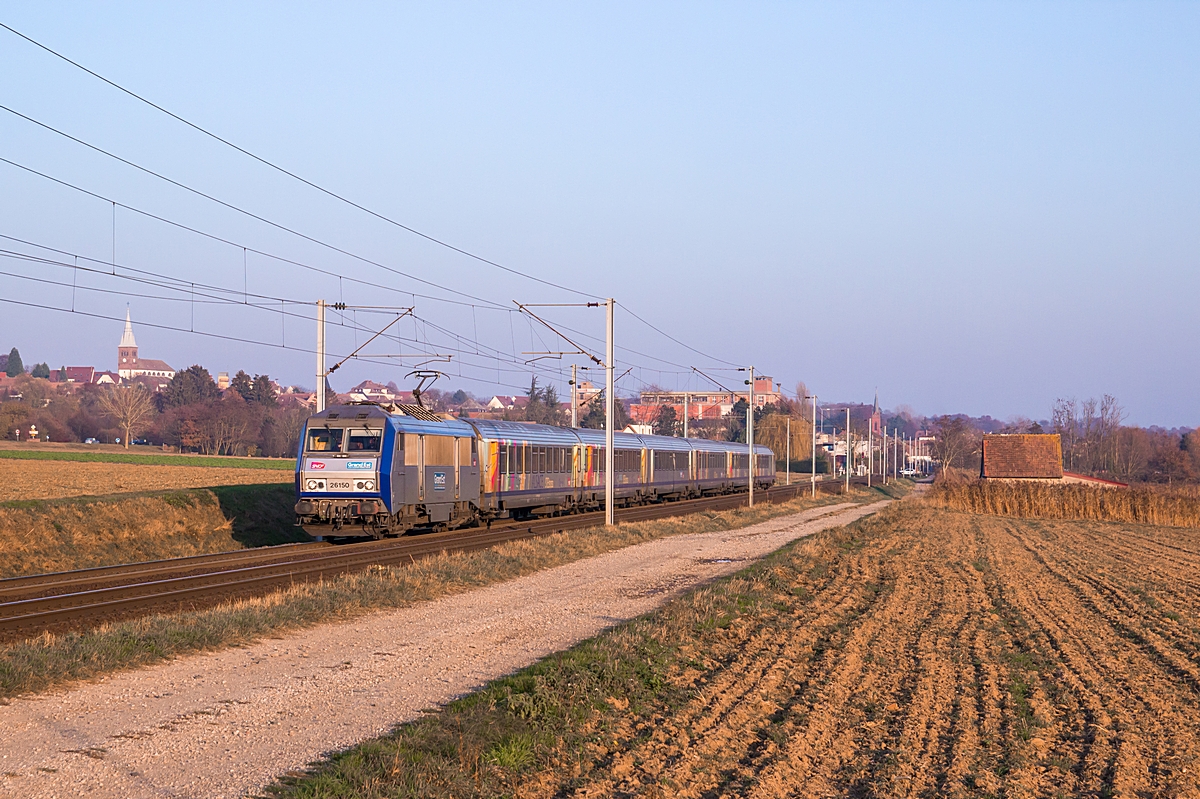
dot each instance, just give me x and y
(1022, 456)
(151, 365)
(80, 374)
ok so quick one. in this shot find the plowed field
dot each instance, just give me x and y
(923, 652)
(947, 654)
(30, 479)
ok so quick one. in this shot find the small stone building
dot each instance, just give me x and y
(1022, 457)
(1030, 456)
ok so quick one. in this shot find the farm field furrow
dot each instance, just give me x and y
(924, 652)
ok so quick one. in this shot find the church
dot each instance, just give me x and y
(130, 366)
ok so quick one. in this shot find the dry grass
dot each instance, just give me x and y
(51, 536)
(1179, 507)
(52, 479)
(52, 660)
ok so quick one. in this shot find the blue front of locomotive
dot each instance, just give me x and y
(343, 471)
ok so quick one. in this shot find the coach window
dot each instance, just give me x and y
(325, 439)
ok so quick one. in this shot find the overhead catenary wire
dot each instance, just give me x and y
(245, 248)
(478, 302)
(150, 215)
(188, 293)
(293, 175)
(306, 237)
(236, 208)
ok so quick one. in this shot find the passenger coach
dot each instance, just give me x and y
(370, 470)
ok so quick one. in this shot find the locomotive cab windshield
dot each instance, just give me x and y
(365, 441)
(325, 439)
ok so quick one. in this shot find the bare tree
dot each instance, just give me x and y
(956, 439)
(1111, 417)
(131, 408)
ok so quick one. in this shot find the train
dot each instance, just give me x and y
(366, 470)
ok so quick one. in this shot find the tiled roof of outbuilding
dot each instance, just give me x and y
(1022, 456)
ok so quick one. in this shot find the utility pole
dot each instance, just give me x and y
(814, 446)
(848, 451)
(750, 431)
(788, 460)
(883, 457)
(870, 452)
(685, 414)
(320, 355)
(574, 395)
(610, 414)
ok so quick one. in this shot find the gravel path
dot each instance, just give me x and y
(227, 723)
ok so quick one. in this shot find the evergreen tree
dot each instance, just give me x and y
(243, 385)
(190, 386)
(62, 375)
(15, 367)
(41, 370)
(735, 422)
(263, 392)
(665, 423)
(543, 405)
(595, 416)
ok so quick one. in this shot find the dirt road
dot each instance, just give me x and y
(222, 724)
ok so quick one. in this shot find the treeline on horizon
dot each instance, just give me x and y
(1095, 442)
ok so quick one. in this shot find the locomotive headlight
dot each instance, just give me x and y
(312, 485)
(369, 485)
(360, 485)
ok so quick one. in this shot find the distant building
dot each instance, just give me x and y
(1021, 457)
(504, 402)
(1031, 457)
(370, 391)
(876, 419)
(129, 365)
(80, 374)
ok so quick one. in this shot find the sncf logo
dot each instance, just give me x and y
(316, 464)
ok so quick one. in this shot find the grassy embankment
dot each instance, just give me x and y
(1178, 507)
(51, 660)
(917, 652)
(156, 459)
(38, 536)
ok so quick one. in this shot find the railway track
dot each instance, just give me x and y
(81, 599)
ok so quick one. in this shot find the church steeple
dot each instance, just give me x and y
(127, 337)
(127, 350)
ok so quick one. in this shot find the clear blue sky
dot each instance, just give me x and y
(975, 207)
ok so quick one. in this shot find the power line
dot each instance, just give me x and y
(293, 175)
(672, 338)
(267, 302)
(479, 302)
(224, 204)
(264, 220)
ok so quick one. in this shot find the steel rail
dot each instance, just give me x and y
(240, 575)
